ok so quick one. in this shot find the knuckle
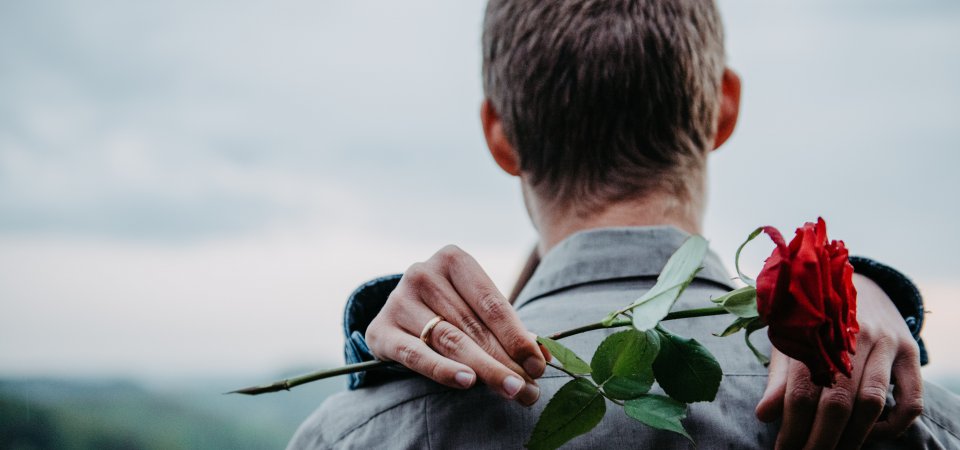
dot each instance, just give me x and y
(493, 307)
(449, 340)
(490, 346)
(839, 399)
(884, 343)
(872, 397)
(448, 255)
(372, 336)
(803, 396)
(417, 275)
(436, 372)
(519, 345)
(429, 291)
(913, 408)
(376, 336)
(473, 328)
(910, 396)
(407, 355)
(911, 350)
(866, 334)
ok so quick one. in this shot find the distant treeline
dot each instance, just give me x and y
(66, 415)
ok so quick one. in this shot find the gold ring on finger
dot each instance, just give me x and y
(428, 328)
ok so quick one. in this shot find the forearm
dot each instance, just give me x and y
(904, 294)
(367, 301)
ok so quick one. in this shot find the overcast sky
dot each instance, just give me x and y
(194, 187)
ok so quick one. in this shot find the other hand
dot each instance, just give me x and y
(480, 336)
(844, 415)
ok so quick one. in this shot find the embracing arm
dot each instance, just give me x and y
(842, 416)
(891, 313)
(367, 300)
(480, 337)
(901, 291)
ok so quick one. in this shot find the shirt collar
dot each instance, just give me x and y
(604, 254)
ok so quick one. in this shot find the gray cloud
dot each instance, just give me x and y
(177, 174)
(180, 119)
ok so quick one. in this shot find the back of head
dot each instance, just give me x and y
(605, 100)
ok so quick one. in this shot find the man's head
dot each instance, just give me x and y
(597, 102)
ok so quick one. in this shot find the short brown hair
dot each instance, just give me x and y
(605, 100)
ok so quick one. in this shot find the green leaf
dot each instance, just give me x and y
(755, 325)
(676, 275)
(623, 363)
(741, 302)
(685, 369)
(736, 259)
(734, 327)
(658, 411)
(567, 357)
(574, 410)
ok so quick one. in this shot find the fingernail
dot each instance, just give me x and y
(533, 367)
(531, 393)
(464, 379)
(512, 385)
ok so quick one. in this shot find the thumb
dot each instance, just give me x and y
(770, 407)
(546, 353)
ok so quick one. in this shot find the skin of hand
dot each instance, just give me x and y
(845, 415)
(481, 336)
(495, 346)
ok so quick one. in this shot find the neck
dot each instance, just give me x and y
(656, 209)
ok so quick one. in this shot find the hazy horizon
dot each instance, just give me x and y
(193, 188)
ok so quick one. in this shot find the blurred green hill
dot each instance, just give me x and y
(40, 414)
(106, 415)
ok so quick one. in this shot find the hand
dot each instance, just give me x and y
(480, 336)
(844, 415)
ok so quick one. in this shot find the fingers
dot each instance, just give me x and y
(405, 349)
(436, 292)
(451, 342)
(908, 393)
(440, 296)
(452, 358)
(800, 405)
(543, 350)
(480, 330)
(770, 407)
(840, 415)
(497, 315)
(871, 395)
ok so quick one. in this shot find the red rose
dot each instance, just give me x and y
(805, 294)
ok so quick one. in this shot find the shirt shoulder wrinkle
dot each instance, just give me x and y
(365, 422)
(349, 412)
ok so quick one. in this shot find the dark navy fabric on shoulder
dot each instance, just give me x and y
(901, 290)
(363, 305)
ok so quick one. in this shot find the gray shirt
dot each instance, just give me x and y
(579, 281)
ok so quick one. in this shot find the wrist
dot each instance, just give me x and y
(362, 306)
(902, 293)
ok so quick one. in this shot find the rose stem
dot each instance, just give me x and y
(286, 385)
(685, 314)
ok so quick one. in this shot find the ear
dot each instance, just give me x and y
(500, 147)
(729, 107)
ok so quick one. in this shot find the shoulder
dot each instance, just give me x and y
(391, 412)
(940, 412)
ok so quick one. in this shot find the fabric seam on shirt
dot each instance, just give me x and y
(426, 421)
(365, 422)
(942, 426)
